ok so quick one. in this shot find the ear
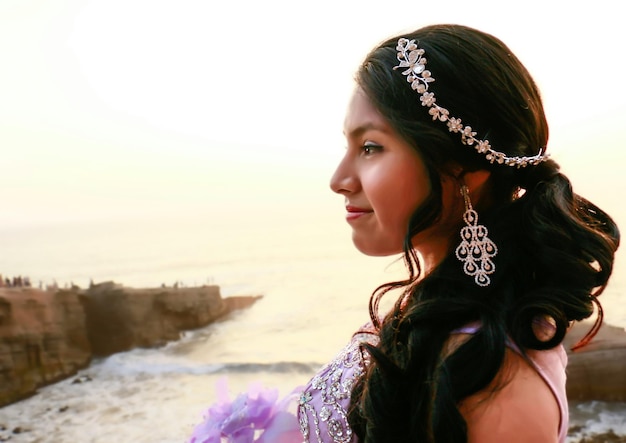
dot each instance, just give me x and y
(477, 185)
(475, 180)
(471, 179)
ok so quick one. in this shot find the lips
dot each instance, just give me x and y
(355, 212)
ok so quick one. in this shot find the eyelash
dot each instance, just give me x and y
(368, 148)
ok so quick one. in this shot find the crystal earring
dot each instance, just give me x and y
(476, 249)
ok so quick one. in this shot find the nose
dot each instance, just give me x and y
(344, 180)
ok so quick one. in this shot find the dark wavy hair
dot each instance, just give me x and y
(556, 249)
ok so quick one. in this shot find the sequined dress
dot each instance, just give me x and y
(323, 406)
(324, 402)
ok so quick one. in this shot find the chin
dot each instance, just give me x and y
(373, 250)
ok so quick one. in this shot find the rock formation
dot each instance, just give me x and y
(46, 336)
(120, 319)
(42, 339)
(597, 371)
(49, 335)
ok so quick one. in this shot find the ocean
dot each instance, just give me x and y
(315, 289)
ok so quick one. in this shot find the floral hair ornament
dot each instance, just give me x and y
(412, 57)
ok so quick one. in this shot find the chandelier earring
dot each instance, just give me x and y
(476, 249)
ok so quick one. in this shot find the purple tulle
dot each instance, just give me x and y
(256, 416)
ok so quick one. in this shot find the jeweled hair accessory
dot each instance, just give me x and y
(412, 58)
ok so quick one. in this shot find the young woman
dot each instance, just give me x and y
(447, 164)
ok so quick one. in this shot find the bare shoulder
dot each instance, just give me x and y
(517, 407)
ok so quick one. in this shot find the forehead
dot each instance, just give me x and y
(361, 115)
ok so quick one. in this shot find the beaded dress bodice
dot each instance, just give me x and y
(323, 406)
(324, 402)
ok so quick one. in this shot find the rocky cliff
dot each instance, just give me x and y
(597, 371)
(42, 339)
(119, 319)
(49, 335)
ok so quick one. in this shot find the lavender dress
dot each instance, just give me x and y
(323, 405)
(259, 416)
(322, 411)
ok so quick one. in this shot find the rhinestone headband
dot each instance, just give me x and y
(412, 58)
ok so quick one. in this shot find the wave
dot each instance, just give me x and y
(127, 367)
(275, 367)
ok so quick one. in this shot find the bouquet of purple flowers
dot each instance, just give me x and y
(256, 416)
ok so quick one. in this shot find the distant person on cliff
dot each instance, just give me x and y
(447, 164)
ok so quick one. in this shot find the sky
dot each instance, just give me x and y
(116, 108)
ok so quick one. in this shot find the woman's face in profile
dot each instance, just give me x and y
(382, 178)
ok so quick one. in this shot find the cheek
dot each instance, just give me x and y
(409, 201)
(398, 195)
(453, 206)
(413, 187)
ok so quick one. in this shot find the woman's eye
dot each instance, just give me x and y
(371, 148)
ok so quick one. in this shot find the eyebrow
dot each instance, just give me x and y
(368, 126)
